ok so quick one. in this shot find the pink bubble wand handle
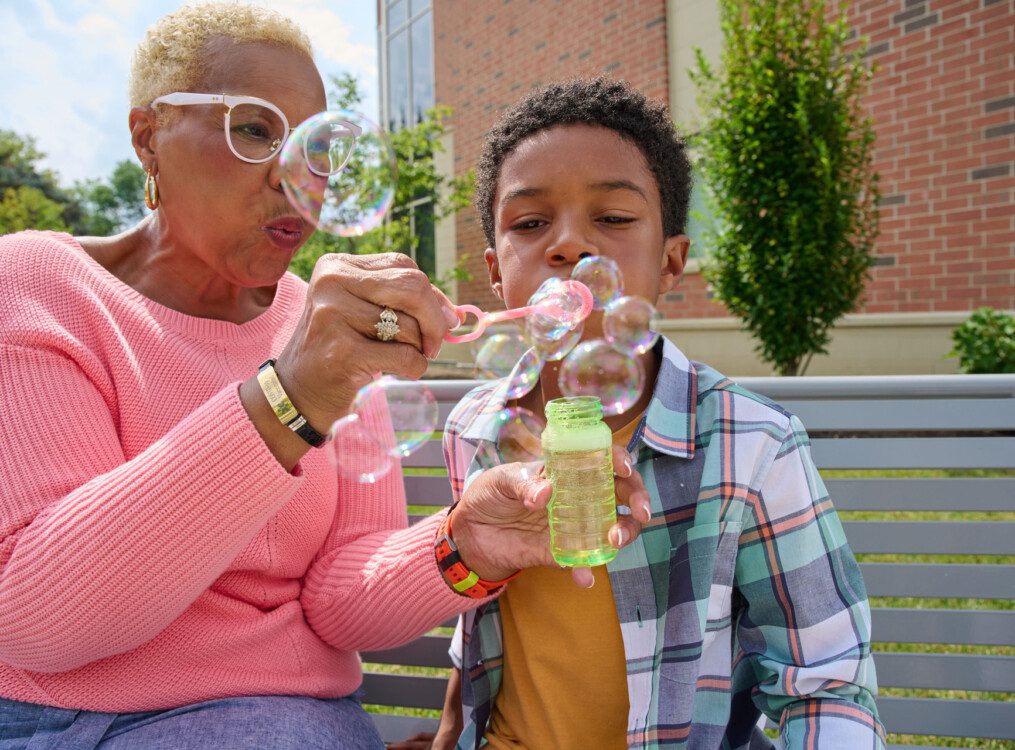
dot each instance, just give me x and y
(486, 319)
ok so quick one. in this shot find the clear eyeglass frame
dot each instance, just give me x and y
(185, 98)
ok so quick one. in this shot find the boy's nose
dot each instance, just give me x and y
(568, 252)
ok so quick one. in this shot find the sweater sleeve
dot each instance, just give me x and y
(376, 584)
(98, 554)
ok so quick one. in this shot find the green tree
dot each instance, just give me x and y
(36, 192)
(785, 157)
(414, 149)
(27, 207)
(109, 206)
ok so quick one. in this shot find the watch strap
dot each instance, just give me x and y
(456, 575)
(283, 406)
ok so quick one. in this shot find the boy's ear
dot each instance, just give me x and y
(493, 267)
(675, 251)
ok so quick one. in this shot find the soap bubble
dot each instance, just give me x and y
(631, 324)
(518, 435)
(602, 276)
(525, 375)
(594, 368)
(338, 170)
(411, 407)
(359, 455)
(565, 309)
(551, 351)
(541, 326)
(497, 356)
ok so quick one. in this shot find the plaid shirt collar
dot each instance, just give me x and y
(669, 420)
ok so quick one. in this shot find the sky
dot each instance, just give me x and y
(64, 67)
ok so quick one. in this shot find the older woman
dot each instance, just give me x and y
(179, 567)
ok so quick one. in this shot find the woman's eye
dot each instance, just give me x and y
(253, 131)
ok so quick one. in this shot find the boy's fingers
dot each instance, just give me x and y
(583, 577)
(623, 465)
(624, 531)
(632, 493)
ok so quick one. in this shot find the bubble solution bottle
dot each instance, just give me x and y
(577, 450)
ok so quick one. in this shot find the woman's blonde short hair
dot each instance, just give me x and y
(172, 56)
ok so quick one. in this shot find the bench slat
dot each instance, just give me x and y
(902, 625)
(968, 494)
(428, 490)
(858, 453)
(428, 651)
(967, 627)
(943, 494)
(412, 691)
(931, 537)
(828, 387)
(914, 453)
(937, 581)
(946, 671)
(949, 718)
(895, 415)
(394, 728)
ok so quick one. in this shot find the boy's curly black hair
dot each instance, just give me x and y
(591, 101)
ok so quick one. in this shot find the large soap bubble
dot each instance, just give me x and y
(595, 368)
(338, 171)
(411, 407)
(631, 324)
(602, 276)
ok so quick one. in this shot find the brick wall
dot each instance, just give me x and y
(943, 104)
(487, 54)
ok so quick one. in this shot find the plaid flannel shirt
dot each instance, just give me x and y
(741, 595)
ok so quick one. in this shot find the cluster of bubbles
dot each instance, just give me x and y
(338, 171)
(608, 367)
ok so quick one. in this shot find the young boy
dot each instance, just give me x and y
(741, 595)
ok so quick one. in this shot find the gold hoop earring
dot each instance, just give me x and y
(151, 190)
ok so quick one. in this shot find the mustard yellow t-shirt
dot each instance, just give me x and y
(565, 676)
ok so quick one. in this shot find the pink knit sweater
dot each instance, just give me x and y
(153, 552)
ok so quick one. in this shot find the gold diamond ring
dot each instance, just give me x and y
(388, 328)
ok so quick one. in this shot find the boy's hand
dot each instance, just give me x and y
(500, 525)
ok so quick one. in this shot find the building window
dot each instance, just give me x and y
(406, 34)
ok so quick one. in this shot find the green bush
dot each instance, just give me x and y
(985, 342)
(785, 156)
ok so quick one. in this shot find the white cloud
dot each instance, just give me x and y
(62, 96)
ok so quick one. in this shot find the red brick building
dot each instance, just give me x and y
(943, 105)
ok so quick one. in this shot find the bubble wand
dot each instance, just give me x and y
(485, 319)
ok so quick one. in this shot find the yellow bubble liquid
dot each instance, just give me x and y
(583, 507)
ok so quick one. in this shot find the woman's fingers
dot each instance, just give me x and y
(393, 280)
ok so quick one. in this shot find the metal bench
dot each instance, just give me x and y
(877, 424)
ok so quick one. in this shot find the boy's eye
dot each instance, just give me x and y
(617, 219)
(527, 224)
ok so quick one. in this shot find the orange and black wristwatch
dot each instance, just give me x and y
(456, 575)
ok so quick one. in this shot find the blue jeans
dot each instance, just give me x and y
(275, 722)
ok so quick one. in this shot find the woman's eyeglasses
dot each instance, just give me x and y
(256, 129)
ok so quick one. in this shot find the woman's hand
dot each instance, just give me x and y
(500, 525)
(335, 350)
